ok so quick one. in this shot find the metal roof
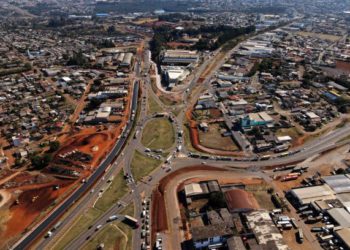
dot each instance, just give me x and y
(314, 193)
(340, 216)
(339, 183)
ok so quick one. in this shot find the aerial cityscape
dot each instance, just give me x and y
(175, 125)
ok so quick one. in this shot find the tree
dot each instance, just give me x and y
(39, 162)
(97, 82)
(111, 29)
(54, 146)
(217, 200)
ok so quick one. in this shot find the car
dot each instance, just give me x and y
(98, 227)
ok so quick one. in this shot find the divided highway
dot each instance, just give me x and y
(31, 236)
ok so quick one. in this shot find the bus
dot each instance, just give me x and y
(131, 221)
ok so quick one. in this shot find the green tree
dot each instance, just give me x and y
(54, 146)
(40, 161)
(217, 200)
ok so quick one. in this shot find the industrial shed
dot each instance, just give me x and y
(340, 216)
(195, 189)
(339, 183)
(344, 198)
(344, 236)
(239, 200)
(306, 195)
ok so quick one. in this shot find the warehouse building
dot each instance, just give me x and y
(265, 231)
(310, 194)
(340, 216)
(180, 57)
(339, 183)
(238, 200)
(344, 236)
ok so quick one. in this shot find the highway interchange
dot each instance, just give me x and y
(120, 158)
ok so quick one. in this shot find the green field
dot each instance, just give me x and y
(153, 106)
(213, 139)
(142, 165)
(113, 193)
(116, 235)
(158, 134)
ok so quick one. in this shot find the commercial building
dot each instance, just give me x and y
(309, 194)
(344, 236)
(265, 231)
(210, 236)
(339, 183)
(256, 119)
(238, 200)
(127, 60)
(180, 57)
(340, 216)
(174, 74)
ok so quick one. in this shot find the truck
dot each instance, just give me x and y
(136, 134)
(56, 226)
(168, 159)
(302, 208)
(112, 218)
(131, 221)
(300, 235)
(326, 237)
(48, 235)
(306, 213)
(290, 177)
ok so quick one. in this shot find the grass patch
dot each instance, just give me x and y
(153, 106)
(167, 101)
(114, 192)
(213, 139)
(264, 200)
(111, 236)
(116, 235)
(83, 222)
(142, 165)
(158, 134)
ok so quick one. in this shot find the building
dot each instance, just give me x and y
(265, 231)
(312, 117)
(238, 200)
(344, 236)
(340, 216)
(173, 75)
(211, 236)
(127, 60)
(256, 120)
(195, 189)
(180, 57)
(306, 195)
(235, 243)
(339, 183)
